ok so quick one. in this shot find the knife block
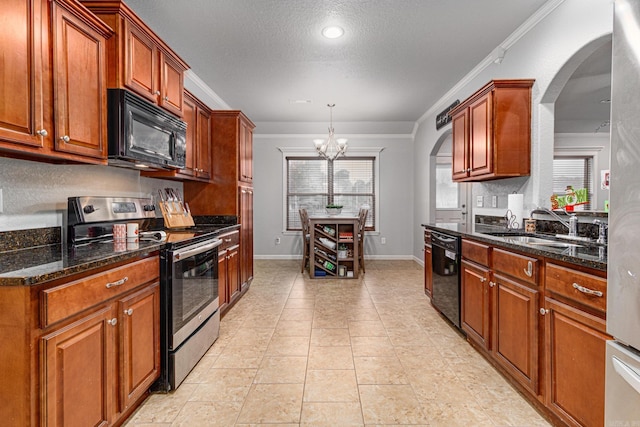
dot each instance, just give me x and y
(175, 216)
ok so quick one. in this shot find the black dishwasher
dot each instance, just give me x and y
(446, 275)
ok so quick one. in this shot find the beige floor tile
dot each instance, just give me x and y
(227, 385)
(305, 303)
(272, 403)
(328, 320)
(282, 370)
(390, 404)
(239, 357)
(293, 328)
(367, 328)
(379, 370)
(330, 337)
(372, 346)
(409, 337)
(330, 357)
(331, 385)
(288, 346)
(461, 414)
(331, 414)
(297, 314)
(252, 337)
(195, 414)
(163, 408)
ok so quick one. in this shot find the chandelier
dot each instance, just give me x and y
(333, 147)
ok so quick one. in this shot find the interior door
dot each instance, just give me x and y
(451, 197)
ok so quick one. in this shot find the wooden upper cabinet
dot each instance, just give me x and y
(246, 151)
(138, 59)
(492, 132)
(57, 115)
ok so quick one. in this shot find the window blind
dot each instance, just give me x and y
(576, 171)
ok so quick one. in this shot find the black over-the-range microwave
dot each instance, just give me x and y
(142, 134)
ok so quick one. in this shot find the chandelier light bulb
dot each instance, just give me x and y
(331, 148)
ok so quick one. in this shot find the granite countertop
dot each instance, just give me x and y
(46, 258)
(586, 255)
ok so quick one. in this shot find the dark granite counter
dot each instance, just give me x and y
(587, 254)
(23, 264)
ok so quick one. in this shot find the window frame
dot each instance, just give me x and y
(355, 152)
(575, 152)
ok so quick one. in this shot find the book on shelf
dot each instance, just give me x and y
(345, 235)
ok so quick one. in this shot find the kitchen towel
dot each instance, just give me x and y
(515, 205)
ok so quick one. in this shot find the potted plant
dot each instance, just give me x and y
(333, 209)
(342, 251)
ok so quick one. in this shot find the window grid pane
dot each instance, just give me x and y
(576, 171)
(313, 182)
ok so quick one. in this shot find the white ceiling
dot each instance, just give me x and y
(396, 59)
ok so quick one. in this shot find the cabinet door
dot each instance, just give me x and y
(428, 271)
(203, 146)
(575, 357)
(233, 270)
(246, 153)
(480, 137)
(23, 57)
(460, 145)
(78, 372)
(140, 63)
(246, 234)
(190, 116)
(515, 330)
(223, 279)
(172, 85)
(139, 343)
(475, 297)
(79, 86)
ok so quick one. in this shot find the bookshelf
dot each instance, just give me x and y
(333, 250)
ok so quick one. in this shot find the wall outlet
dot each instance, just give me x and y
(479, 201)
(383, 240)
(277, 240)
(494, 201)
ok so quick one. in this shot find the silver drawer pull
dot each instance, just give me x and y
(587, 290)
(129, 312)
(117, 283)
(113, 322)
(529, 270)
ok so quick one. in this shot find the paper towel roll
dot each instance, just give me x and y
(515, 205)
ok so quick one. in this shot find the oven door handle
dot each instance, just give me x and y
(191, 251)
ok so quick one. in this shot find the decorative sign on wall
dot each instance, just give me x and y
(444, 118)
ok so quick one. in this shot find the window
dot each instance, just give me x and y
(576, 171)
(313, 182)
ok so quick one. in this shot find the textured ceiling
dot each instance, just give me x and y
(396, 59)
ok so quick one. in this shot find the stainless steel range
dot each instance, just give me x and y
(189, 315)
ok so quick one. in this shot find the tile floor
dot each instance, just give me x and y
(371, 351)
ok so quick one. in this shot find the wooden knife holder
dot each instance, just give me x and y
(175, 216)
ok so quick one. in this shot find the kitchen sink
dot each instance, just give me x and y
(527, 239)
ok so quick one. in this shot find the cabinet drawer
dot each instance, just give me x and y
(582, 287)
(475, 251)
(521, 267)
(229, 240)
(63, 301)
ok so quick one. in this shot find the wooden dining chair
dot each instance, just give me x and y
(362, 220)
(306, 235)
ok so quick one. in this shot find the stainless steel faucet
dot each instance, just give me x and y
(602, 231)
(572, 225)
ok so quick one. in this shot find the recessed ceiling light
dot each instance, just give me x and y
(332, 32)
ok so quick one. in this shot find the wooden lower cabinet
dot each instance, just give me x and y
(515, 330)
(228, 270)
(83, 351)
(78, 372)
(475, 303)
(428, 270)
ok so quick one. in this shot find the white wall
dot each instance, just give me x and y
(548, 52)
(396, 188)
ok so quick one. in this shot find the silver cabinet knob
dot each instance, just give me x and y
(42, 132)
(543, 311)
(166, 98)
(492, 284)
(129, 312)
(157, 92)
(65, 138)
(113, 322)
(483, 279)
